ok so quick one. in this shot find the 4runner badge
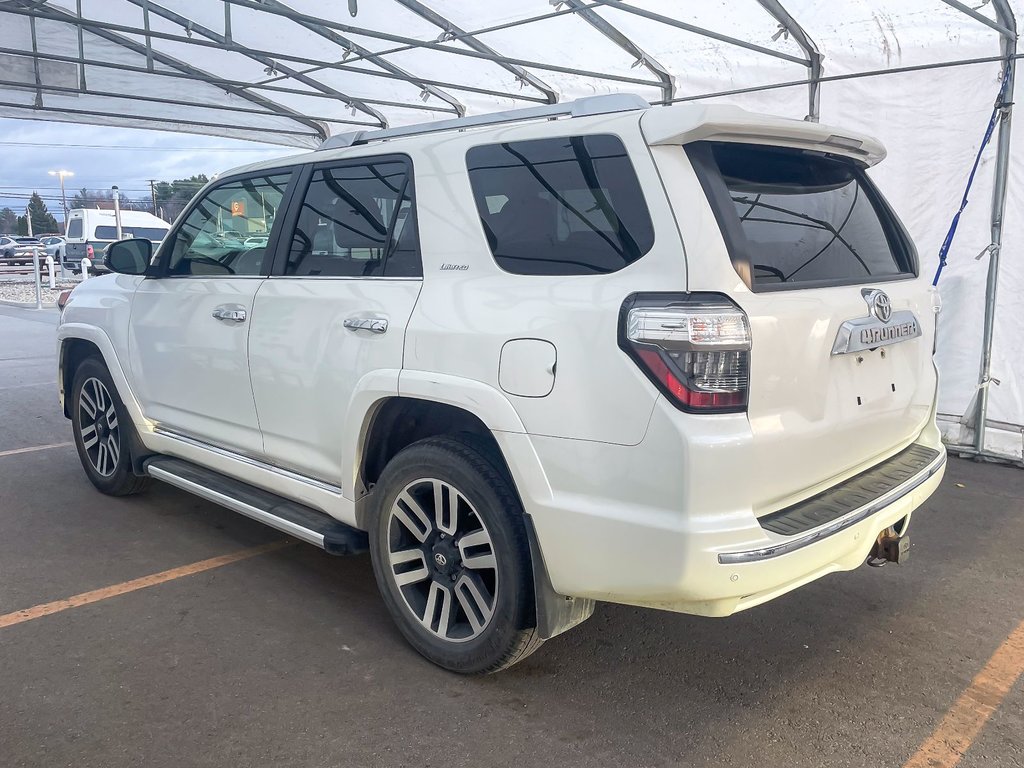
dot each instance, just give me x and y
(880, 328)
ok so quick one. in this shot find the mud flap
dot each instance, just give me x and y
(555, 613)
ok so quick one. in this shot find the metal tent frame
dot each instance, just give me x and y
(292, 77)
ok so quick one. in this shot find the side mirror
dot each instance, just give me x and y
(129, 257)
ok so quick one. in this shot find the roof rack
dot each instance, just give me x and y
(589, 105)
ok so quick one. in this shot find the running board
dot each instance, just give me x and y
(298, 520)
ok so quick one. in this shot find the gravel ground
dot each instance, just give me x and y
(26, 292)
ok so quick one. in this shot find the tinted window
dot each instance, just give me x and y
(75, 228)
(156, 234)
(804, 217)
(567, 206)
(357, 221)
(226, 233)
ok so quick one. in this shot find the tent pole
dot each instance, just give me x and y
(602, 25)
(1008, 45)
(1002, 169)
(810, 49)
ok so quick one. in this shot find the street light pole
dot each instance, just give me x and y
(63, 198)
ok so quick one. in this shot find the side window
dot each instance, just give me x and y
(75, 228)
(565, 206)
(357, 221)
(226, 233)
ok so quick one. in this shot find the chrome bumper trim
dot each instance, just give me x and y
(785, 547)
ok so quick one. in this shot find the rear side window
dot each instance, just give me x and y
(565, 206)
(75, 228)
(357, 221)
(795, 218)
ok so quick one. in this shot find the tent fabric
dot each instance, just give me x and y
(256, 70)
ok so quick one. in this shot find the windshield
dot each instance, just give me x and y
(795, 217)
(156, 234)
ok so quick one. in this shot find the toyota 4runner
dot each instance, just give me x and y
(676, 357)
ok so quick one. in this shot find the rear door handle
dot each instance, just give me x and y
(371, 324)
(229, 314)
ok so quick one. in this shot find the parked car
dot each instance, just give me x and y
(91, 230)
(7, 246)
(55, 247)
(20, 251)
(675, 357)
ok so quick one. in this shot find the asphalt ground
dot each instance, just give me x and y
(282, 656)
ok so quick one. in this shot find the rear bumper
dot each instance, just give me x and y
(611, 528)
(844, 505)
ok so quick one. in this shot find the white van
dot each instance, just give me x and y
(91, 230)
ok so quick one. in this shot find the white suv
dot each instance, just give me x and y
(676, 357)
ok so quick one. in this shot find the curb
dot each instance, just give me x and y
(25, 305)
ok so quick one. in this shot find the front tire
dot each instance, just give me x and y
(451, 557)
(102, 431)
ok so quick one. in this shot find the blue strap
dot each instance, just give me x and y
(944, 250)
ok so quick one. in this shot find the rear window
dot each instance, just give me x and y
(156, 234)
(564, 206)
(795, 218)
(75, 228)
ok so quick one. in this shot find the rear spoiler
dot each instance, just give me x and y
(685, 123)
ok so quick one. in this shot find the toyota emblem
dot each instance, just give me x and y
(879, 304)
(441, 560)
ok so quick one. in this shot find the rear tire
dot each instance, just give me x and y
(451, 557)
(102, 431)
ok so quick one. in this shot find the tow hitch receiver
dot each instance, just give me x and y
(889, 548)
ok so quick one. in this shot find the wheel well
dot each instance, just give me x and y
(72, 353)
(401, 421)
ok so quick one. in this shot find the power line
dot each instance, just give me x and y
(51, 191)
(62, 145)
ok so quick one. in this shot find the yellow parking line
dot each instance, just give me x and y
(34, 448)
(114, 590)
(965, 719)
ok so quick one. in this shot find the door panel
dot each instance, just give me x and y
(335, 310)
(190, 368)
(190, 326)
(305, 363)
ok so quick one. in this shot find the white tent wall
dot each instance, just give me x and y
(931, 121)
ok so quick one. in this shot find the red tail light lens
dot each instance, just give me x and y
(694, 347)
(89, 251)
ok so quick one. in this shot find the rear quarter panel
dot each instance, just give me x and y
(464, 317)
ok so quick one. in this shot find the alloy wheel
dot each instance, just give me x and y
(442, 560)
(98, 428)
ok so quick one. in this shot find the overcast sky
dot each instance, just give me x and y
(30, 148)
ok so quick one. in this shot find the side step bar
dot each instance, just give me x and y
(298, 520)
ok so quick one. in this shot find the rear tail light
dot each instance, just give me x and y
(89, 251)
(694, 347)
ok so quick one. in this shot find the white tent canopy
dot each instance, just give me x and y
(295, 71)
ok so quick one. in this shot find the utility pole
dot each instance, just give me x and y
(28, 218)
(63, 197)
(152, 194)
(117, 212)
